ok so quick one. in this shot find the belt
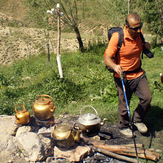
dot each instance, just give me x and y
(133, 71)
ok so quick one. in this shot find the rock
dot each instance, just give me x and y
(31, 146)
(35, 146)
(74, 154)
(48, 146)
(8, 128)
(24, 143)
(8, 150)
(23, 129)
(8, 125)
(158, 150)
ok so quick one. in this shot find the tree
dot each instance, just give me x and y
(153, 15)
(69, 18)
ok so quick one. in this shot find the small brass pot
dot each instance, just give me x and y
(22, 116)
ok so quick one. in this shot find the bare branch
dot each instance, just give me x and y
(65, 12)
(70, 9)
(76, 9)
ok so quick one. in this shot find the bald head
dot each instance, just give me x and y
(132, 18)
(133, 25)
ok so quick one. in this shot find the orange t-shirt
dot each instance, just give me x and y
(129, 54)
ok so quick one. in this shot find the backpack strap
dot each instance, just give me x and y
(143, 41)
(142, 38)
(120, 41)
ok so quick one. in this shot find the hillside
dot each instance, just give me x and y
(13, 9)
(20, 41)
(20, 38)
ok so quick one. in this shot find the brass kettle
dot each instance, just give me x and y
(22, 116)
(43, 107)
(65, 136)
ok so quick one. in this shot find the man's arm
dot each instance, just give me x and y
(109, 62)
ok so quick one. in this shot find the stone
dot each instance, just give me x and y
(74, 154)
(23, 129)
(31, 145)
(8, 128)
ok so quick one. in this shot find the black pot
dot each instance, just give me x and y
(91, 130)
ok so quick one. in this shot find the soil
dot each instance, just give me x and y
(152, 139)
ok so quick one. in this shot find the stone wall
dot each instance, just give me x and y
(25, 143)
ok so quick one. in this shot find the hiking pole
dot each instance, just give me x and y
(128, 111)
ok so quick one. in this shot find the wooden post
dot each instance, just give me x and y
(59, 31)
(58, 44)
(48, 39)
(128, 7)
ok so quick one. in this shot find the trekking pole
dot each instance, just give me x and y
(128, 111)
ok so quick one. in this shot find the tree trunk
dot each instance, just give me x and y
(81, 46)
(161, 13)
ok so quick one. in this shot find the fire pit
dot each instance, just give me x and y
(46, 123)
(108, 146)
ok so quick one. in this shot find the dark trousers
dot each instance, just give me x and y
(140, 87)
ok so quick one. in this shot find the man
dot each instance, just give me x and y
(129, 63)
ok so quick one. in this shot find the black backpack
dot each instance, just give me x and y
(120, 41)
(148, 53)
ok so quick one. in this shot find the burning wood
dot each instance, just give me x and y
(128, 150)
(114, 155)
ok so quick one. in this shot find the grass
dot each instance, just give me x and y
(86, 81)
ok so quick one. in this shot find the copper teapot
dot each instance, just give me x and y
(43, 107)
(65, 136)
(22, 116)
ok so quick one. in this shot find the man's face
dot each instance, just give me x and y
(134, 27)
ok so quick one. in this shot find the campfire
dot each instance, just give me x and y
(98, 148)
(95, 148)
(82, 138)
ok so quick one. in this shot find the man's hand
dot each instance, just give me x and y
(118, 69)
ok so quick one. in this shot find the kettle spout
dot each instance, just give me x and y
(17, 117)
(77, 136)
(103, 122)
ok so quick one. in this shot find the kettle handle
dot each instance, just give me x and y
(44, 96)
(20, 105)
(89, 106)
(52, 109)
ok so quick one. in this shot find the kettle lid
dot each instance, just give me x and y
(88, 122)
(61, 132)
(89, 119)
(89, 116)
(43, 101)
(63, 128)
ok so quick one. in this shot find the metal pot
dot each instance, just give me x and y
(22, 116)
(43, 107)
(90, 124)
(65, 136)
